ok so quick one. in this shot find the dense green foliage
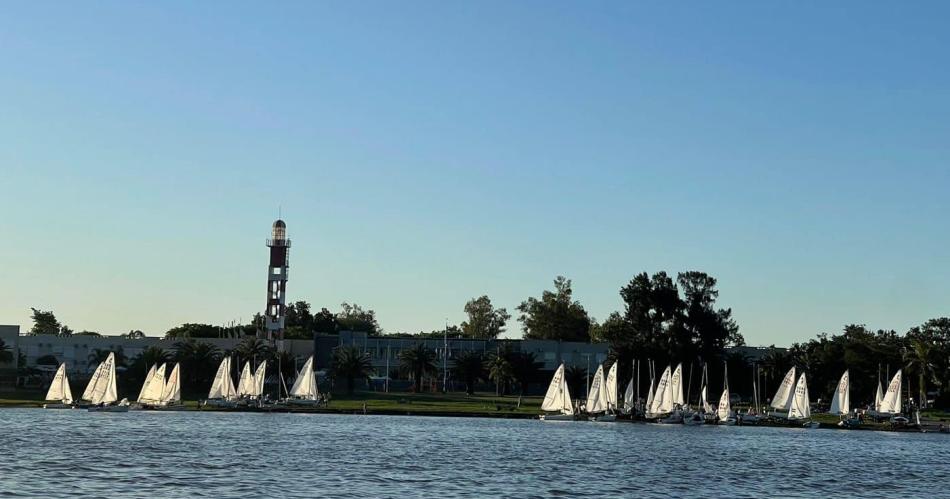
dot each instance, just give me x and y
(349, 364)
(555, 316)
(417, 362)
(484, 321)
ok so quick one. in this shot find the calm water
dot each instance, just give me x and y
(152, 454)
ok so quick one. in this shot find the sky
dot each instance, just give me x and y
(424, 153)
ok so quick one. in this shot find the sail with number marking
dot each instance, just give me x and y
(841, 400)
(154, 386)
(558, 396)
(663, 395)
(676, 386)
(597, 397)
(222, 387)
(891, 403)
(783, 396)
(629, 396)
(611, 389)
(799, 407)
(258, 383)
(245, 385)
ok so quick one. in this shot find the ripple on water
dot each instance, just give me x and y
(221, 455)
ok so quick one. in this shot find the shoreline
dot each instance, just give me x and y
(929, 426)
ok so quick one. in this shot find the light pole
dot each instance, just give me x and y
(445, 357)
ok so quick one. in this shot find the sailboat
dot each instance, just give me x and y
(799, 408)
(245, 387)
(597, 395)
(101, 391)
(890, 405)
(59, 395)
(752, 416)
(630, 395)
(724, 414)
(663, 406)
(222, 392)
(153, 387)
(698, 417)
(304, 391)
(257, 384)
(558, 399)
(171, 395)
(611, 395)
(782, 400)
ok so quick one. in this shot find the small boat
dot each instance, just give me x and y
(675, 417)
(304, 392)
(101, 391)
(782, 400)
(800, 407)
(152, 388)
(607, 397)
(597, 402)
(557, 399)
(890, 406)
(222, 392)
(694, 418)
(59, 395)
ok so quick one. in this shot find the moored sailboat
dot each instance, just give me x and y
(304, 391)
(59, 395)
(152, 388)
(890, 406)
(222, 393)
(799, 409)
(611, 395)
(782, 400)
(171, 395)
(102, 391)
(558, 399)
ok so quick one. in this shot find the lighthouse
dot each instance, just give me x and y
(277, 282)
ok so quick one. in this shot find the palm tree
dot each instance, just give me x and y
(920, 359)
(500, 371)
(469, 367)
(152, 356)
(350, 363)
(6, 355)
(417, 362)
(524, 369)
(198, 363)
(253, 349)
(287, 362)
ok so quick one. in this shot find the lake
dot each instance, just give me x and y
(53, 453)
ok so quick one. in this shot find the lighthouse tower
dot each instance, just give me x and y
(277, 282)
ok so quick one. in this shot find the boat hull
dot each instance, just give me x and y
(109, 408)
(556, 417)
(57, 405)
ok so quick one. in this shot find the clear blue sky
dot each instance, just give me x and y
(425, 153)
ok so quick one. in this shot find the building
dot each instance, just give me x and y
(277, 269)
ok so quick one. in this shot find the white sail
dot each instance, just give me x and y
(663, 395)
(59, 389)
(558, 396)
(597, 397)
(725, 406)
(91, 386)
(783, 396)
(611, 388)
(172, 391)
(148, 379)
(154, 386)
(676, 386)
(707, 407)
(629, 396)
(305, 386)
(891, 404)
(222, 387)
(800, 408)
(102, 387)
(649, 405)
(246, 381)
(878, 397)
(258, 383)
(841, 400)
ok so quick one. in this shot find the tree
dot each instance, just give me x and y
(524, 369)
(417, 362)
(287, 363)
(711, 329)
(65, 330)
(151, 356)
(198, 363)
(920, 359)
(253, 349)
(189, 330)
(470, 368)
(135, 334)
(354, 318)
(298, 315)
(6, 354)
(324, 322)
(555, 316)
(44, 322)
(500, 371)
(349, 363)
(484, 321)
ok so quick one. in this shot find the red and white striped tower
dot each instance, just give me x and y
(277, 282)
